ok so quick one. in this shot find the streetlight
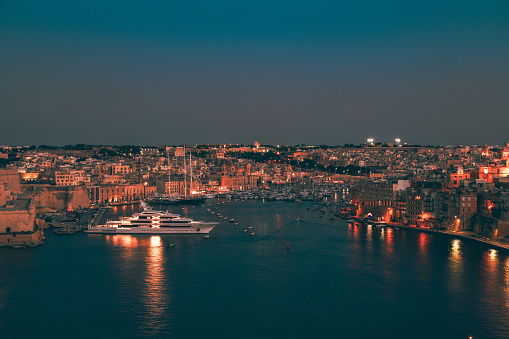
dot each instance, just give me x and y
(145, 184)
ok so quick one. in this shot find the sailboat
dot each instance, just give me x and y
(191, 198)
(164, 199)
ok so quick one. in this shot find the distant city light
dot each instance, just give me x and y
(398, 141)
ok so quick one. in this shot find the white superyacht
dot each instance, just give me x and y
(153, 222)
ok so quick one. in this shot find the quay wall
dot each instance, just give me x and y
(63, 198)
(497, 245)
(12, 221)
(22, 239)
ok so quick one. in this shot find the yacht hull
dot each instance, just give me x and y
(203, 228)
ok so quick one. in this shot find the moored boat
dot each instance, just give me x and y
(153, 222)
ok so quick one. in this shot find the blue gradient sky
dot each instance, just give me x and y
(279, 72)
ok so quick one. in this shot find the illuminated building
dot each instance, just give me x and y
(119, 193)
(375, 197)
(456, 177)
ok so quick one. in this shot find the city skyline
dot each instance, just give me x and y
(171, 73)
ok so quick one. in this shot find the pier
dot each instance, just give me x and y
(80, 227)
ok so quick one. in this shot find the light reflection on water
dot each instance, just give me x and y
(369, 232)
(424, 239)
(423, 242)
(389, 242)
(154, 287)
(356, 231)
(127, 242)
(155, 297)
(489, 268)
(506, 283)
(492, 259)
(455, 271)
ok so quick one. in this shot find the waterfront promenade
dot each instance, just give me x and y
(462, 234)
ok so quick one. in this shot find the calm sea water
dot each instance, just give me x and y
(336, 280)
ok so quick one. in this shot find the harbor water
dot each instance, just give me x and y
(302, 275)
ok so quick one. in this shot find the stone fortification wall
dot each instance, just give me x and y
(3, 195)
(20, 239)
(10, 177)
(17, 220)
(63, 198)
(503, 228)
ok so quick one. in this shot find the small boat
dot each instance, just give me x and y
(206, 237)
(225, 218)
(235, 224)
(252, 234)
(245, 230)
(249, 227)
(231, 220)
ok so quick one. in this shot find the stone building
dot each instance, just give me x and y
(174, 187)
(240, 182)
(51, 198)
(18, 223)
(462, 206)
(3, 195)
(119, 193)
(10, 177)
(375, 198)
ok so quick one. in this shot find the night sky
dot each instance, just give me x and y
(277, 72)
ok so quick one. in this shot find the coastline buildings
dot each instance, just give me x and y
(457, 188)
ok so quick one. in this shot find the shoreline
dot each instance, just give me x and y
(461, 235)
(497, 244)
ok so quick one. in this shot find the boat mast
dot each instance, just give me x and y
(169, 174)
(191, 172)
(185, 173)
